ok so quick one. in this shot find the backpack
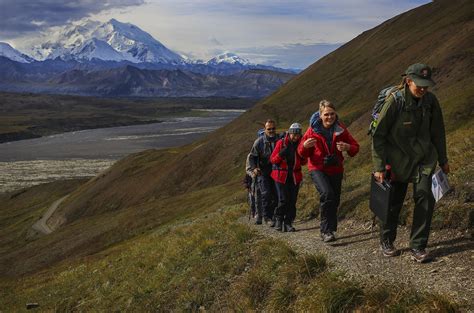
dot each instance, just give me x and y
(382, 97)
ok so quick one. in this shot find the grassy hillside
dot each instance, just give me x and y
(153, 188)
(351, 77)
(212, 264)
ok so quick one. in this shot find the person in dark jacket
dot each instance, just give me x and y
(410, 137)
(287, 176)
(259, 164)
(323, 144)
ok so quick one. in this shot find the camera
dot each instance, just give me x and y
(330, 160)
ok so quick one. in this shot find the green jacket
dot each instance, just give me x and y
(410, 137)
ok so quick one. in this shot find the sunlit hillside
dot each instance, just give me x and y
(150, 190)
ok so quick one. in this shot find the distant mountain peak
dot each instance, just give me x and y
(129, 42)
(11, 53)
(228, 57)
(97, 49)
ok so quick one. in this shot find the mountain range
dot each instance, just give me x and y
(110, 41)
(120, 59)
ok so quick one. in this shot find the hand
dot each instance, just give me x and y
(311, 142)
(342, 146)
(379, 176)
(257, 171)
(445, 168)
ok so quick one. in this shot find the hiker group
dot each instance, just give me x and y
(408, 141)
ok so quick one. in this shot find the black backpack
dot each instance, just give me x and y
(382, 97)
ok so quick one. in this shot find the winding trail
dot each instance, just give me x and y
(357, 254)
(41, 225)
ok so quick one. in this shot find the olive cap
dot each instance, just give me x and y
(420, 74)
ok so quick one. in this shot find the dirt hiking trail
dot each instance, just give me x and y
(356, 252)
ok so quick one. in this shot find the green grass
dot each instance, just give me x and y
(210, 263)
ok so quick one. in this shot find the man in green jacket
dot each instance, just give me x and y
(410, 137)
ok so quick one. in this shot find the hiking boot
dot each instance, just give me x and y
(278, 225)
(288, 228)
(258, 220)
(388, 249)
(420, 255)
(328, 237)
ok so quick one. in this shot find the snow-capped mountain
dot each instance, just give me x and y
(9, 52)
(110, 41)
(229, 58)
(97, 49)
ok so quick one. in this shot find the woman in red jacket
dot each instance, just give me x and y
(286, 172)
(323, 144)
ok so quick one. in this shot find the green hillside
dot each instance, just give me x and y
(351, 77)
(150, 191)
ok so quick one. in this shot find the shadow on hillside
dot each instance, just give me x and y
(452, 246)
(343, 244)
(306, 229)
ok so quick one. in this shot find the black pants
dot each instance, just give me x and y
(424, 205)
(329, 188)
(268, 195)
(287, 196)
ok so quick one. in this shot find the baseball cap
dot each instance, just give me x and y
(420, 74)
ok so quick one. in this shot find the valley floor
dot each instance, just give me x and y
(356, 253)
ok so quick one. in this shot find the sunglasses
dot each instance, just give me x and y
(273, 128)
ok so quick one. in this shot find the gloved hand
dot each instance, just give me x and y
(283, 153)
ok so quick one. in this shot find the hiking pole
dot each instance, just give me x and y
(249, 202)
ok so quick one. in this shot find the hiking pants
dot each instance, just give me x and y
(424, 205)
(329, 188)
(287, 196)
(255, 201)
(268, 195)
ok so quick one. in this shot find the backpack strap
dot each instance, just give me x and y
(399, 98)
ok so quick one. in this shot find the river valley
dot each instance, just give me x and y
(85, 153)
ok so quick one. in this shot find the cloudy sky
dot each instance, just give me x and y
(285, 33)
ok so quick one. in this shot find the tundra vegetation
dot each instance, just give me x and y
(159, 229)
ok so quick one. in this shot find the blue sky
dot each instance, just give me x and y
(286, 33)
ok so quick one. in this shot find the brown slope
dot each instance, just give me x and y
(440, 34)
(141, 186)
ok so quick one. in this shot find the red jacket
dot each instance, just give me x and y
(280, 166)
(317, 153)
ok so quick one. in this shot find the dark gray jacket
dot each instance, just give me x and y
(261, 152)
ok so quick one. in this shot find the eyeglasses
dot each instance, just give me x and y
(273, 128)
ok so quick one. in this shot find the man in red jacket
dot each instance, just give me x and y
(287, 175)
(323, 144)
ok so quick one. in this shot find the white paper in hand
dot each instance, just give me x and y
(439, 184)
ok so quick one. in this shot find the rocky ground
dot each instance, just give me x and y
(356, 252)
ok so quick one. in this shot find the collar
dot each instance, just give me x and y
(317, 124)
